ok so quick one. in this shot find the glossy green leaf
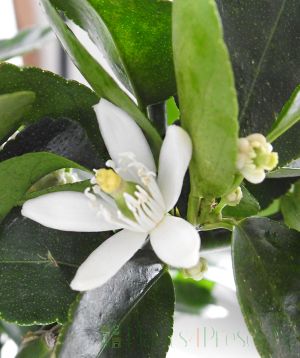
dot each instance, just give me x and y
(207, 96)
(290, 171)
(289, 116)
(248, 206)
(98, 78)
(267, 279)
(131, 315)
(269, 190)
(290, 208)
(13, 107)
(79, 186)
(136, 37)
(215, 239)
(55, 97)
(25, 41)
(62, 137)
(263, 38)
(36, 266)
(18, 174)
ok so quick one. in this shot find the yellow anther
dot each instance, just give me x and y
(108, 180)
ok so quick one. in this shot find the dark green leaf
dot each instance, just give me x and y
(288, 147)
(263, 37)
(64, 137)
(290, 208)
(207, 97)
(248, 206)
(18, 174)
(13, 107)
(98, 78)
(136, 37)
(134, 309)
(36, 266)
(266, 257)
(289, 116)
(55, 98)
(269, 190)
(215, 239)
(25, 41)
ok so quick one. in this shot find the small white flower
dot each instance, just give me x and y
(235, 197)
(145, 209)
(255, 156)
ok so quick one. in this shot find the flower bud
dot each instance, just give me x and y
(255, 156)
(234, 198)
(197, 272)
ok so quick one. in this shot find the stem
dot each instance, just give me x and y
(193, 209)
(220, 225)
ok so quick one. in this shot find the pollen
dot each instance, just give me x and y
(108, 180)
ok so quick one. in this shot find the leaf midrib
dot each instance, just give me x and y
(257, 72)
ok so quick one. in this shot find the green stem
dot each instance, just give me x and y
(219, 225)
(193, 209)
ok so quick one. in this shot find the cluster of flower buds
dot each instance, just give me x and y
(255, 157)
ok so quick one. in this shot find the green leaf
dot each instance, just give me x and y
(98, 78)
(36, 266)
(18, 174)
(288, 147)
(207, 96)
(136, 37)
(37, 347)
(267, 279)
(269, 190)
(25, 41)
(191, 295)
(13, 107)
(134, 309)
(289, 116)
(290, 208)
(248, 206)
(62, 137)
(263, 38)
(290, 171)
(215, 239)
(55, 97)
(79, 186)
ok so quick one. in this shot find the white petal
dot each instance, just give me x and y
(67, 211)
(253, 175)
(176, 242)
(107, 259)
(121, 134)
(174, 159)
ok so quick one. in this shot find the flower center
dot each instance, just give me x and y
(108, 180)
(138, 204)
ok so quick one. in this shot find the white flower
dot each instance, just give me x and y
(174, 240)
(255, 156)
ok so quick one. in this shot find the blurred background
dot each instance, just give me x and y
(208, 321)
